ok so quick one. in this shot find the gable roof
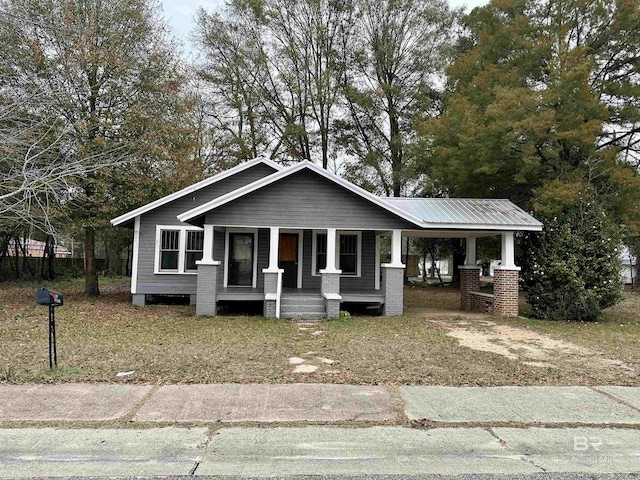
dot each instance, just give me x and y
(425, 213)
(467, 213)
(192, 188)
(252, 187)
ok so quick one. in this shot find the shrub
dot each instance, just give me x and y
(571, 270)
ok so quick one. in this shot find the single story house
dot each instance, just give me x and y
(303, 240)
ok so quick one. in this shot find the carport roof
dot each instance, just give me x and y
(455, 212)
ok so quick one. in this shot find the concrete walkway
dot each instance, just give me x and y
(319, 403)
(279, 430)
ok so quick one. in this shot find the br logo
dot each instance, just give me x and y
(583, 444)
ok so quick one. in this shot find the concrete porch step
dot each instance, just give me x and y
(301, 300)
(302, 315)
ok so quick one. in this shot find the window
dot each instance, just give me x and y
(321, 252)
(169, 249)
(178, 249)
(195, 247)
(348, 254)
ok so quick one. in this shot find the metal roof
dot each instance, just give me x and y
(456, 212)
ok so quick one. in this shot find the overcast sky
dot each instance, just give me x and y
(180, 14)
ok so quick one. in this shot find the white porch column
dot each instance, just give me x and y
(207, 247)
(508, 250)
(274, 239)
(396, 249)
(331, 252)
(470, 258)
(272, 277)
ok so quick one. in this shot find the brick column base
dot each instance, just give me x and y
(270, 291)
(392, 286)
(505, 291)
(469, 282)
(207, 289)
(330, 290)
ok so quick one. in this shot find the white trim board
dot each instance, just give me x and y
(192, 188)
(135, 255)
(263, 182)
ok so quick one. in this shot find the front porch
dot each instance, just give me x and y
(296, 275)
(287, 268)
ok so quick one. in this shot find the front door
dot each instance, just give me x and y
(240, 260)
(288, 259)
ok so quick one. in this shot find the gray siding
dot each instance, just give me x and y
(218, 252)
(306, 200)
(308, 280)
(263, 255)
(365, 282)
(150, 283)
(368, 269)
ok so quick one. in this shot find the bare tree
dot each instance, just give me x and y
(276, 70)
(396, 71)
(36, 177)
(106, 77)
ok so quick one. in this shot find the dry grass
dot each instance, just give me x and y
(168, 344)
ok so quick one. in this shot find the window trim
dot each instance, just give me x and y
(181, 250)
(314, 244)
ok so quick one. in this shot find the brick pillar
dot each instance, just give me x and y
(206, 290)
(392, 286)
(469, 282)
(270, 292)
(505, 291)
(330, 289)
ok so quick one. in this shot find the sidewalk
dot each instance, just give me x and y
(312, 429)
(319, 403)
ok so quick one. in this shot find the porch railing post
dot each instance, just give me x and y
(273, 277)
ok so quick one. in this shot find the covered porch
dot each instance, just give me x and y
(295, 272)
(302, 296)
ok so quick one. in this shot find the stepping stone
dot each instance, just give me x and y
(317, 332)
(296, 360)
(305, 369)
(326, 360)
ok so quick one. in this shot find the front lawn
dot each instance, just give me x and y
(97, 338)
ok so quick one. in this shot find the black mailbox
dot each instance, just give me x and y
(49, 297)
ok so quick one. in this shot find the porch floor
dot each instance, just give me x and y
(255, 294)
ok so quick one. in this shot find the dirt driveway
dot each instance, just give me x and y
(484, 333)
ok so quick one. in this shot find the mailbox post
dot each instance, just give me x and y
(52, 299)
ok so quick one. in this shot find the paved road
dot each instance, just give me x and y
(75, 430)
(254, 452)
